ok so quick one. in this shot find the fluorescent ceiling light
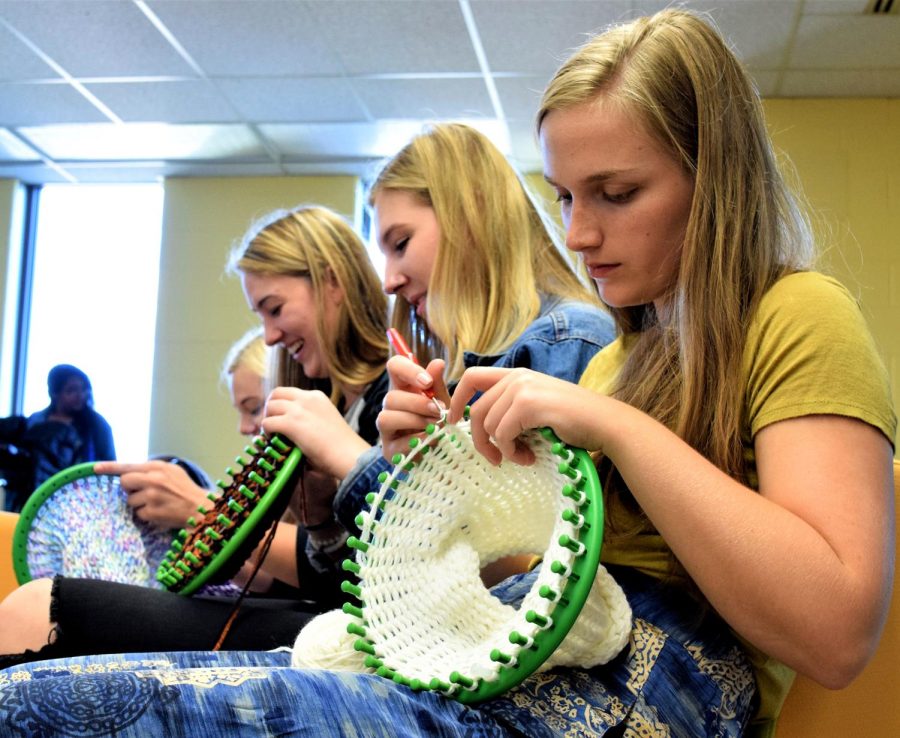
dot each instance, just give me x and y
(143, 141)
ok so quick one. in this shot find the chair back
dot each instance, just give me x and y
(8, 580)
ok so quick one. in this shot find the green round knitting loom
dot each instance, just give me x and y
(424, 618)
(77, 523)
(212, 549)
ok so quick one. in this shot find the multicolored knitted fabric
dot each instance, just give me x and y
(85, 528)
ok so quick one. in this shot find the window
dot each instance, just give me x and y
(365, 227)
(93, 300)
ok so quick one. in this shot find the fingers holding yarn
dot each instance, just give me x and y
(499, 416)
(473, 381)
(404, 415)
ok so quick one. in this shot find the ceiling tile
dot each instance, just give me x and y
(365, 141)
(520, 96)
(249, 37)
(12, 149)
(424, 98)
(293, 100)
(410, 36)
(95, 39)
(759, 30)
(338, 86)
(537, 37)
(370, 140)
(145, 171)
(18, 62)
(170, 101)
(111, 141)
(847, 42)
(23, 104)
(841, 83)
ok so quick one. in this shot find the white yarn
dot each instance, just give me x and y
(425, 609)
(325, 644)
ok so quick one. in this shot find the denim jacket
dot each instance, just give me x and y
(560, 342)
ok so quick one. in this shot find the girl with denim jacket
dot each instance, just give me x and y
(476, 273)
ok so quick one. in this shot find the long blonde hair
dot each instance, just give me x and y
(745, 230)
(314, 242)
(496, 255)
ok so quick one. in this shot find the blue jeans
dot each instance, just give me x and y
(682, 674)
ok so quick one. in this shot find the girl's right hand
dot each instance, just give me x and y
(407, 409)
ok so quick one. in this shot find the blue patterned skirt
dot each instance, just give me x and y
(682, 674)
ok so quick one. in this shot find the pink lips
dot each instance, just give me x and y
(601, 271)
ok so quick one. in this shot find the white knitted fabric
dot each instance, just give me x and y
(426, 613)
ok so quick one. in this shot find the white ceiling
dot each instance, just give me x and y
(131, 90)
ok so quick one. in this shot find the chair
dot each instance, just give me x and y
(868, 707)
(17, 472)
(8, 580)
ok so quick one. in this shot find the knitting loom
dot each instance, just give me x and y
(216, 546)
(77, 523)
(425, 620)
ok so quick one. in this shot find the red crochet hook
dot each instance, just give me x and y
(400, 347)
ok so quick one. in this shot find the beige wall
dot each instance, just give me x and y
(202, 311)
(847, 156)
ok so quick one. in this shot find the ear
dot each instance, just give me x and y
(334, 292)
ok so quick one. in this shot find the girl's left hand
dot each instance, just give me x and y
(517, 400)
(160, 492)
(316, 427)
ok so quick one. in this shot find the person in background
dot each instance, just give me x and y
(68, 431)
(245, 372)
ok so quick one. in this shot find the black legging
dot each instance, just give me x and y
(97, 617)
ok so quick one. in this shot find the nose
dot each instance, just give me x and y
(249, 424)
(394, 279)
(583, 228)
(271, 334)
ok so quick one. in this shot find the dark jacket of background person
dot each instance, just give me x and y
(94, 433)
(34, 448)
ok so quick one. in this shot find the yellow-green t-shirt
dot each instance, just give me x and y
(808, 352)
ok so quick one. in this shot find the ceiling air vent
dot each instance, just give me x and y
(883, 7)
